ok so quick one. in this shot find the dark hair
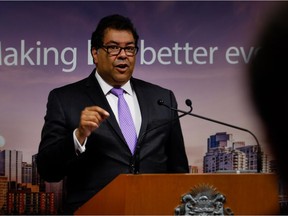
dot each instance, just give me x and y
(115, 21)
(268, 83)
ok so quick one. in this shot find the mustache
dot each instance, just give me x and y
(122, 62)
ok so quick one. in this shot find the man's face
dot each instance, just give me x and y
(116, 70)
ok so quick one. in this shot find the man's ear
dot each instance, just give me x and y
(94, 55)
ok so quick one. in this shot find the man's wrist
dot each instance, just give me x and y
(81, 139)
(79, 147)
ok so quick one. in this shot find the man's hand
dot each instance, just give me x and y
(90, 119)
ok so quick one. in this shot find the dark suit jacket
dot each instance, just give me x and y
(107, 154)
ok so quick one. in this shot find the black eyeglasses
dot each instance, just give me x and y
(114, 50)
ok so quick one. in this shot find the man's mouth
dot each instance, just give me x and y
(122, 66)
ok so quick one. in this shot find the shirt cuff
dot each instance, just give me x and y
(78, 147)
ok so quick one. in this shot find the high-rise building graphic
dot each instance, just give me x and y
(3, 194)
(19, 187)
(221, 139)
(11, 167)
(30, 203)
(26, 173)
(225, 154)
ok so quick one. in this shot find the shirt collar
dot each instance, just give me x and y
(106, 87)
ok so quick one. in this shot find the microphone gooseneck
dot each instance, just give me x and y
(189, 103)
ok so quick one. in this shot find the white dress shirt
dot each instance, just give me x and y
(131, 100)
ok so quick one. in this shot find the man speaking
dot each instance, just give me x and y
(110, 122)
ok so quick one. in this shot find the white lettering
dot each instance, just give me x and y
(90, 58)
(38, 56)
(25, 55)
(248, 57)
(164, 55)
(143, 50)
(187, 49)
(164, 52)
(11, 56)
(200, 52)
(46, 52)
(73, 58)
(176, 48)
(176, 54)
(235, 54)
(232, 52)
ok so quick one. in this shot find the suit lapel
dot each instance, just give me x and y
(100, 100)
(143, 108)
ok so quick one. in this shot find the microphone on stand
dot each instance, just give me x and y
(259, 152)
(188, 102)
(135, 160)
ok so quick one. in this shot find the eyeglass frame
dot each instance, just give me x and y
(106, 47)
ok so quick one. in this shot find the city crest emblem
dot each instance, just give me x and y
(203, 200)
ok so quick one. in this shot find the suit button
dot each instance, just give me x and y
(132, 168)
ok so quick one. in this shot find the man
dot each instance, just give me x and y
(81, 138)
(268, 87)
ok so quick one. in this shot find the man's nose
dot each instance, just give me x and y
(122, 53)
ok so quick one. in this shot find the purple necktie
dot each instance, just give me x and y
(125, 119)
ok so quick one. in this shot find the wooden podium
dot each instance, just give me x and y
(160, 194)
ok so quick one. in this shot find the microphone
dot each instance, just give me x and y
(188, 103)
(259, 152)
(135, 160)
